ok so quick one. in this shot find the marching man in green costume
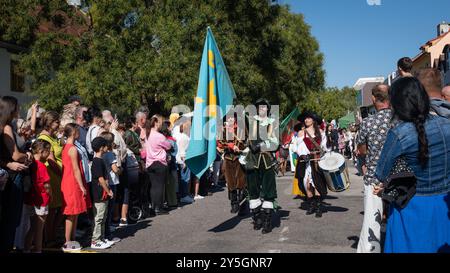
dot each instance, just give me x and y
(260, 166)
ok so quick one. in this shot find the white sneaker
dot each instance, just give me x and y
(198, 197)
(71, 246)
(110, 242)
(186, 200)
(123, 222)
(100, 245)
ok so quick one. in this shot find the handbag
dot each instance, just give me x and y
(400, 185)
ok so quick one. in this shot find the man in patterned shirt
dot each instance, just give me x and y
(373, 132)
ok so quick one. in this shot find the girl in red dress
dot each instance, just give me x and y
(76, 198)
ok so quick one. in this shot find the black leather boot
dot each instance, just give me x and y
(234, 202)
(240, 195)
(311, 206)
(267, 221)
(257, 218)
(319, 207)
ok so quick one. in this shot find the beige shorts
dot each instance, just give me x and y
(40, 211)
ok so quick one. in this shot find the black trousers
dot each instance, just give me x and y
(157, 173)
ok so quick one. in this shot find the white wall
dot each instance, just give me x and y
(5, 82)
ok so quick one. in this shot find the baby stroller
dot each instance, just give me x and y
(139, 187)
(140, 202)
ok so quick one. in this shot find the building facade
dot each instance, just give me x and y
(13, 81)
(364, 87)
(436, 53)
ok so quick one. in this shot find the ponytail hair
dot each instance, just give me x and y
(69, 129)
(411, 103)
(317, 131)
(419, 123)
(150, 124)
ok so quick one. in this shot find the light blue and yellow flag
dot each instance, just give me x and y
(214, 93)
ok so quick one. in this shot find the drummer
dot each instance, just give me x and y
(311, 144)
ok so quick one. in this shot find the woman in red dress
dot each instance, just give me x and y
(76, 198)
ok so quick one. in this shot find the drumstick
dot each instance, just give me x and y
(309, 160)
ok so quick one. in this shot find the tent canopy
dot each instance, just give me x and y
(345, 121)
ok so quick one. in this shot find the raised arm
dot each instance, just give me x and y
(34, 109)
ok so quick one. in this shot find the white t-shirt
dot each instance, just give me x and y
(176, 131)
(93, 132)
(182, 143)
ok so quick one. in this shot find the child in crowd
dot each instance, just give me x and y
(38, 198)
(100, 193)
(76, 199)
(114, 171)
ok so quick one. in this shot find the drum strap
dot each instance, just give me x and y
(315, 143)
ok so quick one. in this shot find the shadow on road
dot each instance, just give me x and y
(130, 230)
(355, 239)
(84, 236)
(229, 224)
(327, 207)
(278, 216)
(335, 209)
(233, 222)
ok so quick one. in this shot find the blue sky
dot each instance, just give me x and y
(361, 40)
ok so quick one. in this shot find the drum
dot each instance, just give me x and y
(335, 171)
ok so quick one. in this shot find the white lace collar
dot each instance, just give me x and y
(264, 121)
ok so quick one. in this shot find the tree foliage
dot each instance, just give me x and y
(134, 52)
(332, 103)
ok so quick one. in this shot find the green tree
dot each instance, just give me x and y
(131, 52)
(332, 103)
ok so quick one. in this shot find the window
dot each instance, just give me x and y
(17, 77)
(447, 58)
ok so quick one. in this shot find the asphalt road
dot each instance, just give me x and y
(207, 226)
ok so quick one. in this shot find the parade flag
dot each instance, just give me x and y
(292, 116)
(214, 93)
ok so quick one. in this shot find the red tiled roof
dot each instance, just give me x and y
(434, 41)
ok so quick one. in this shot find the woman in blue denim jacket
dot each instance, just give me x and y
(424, 141)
